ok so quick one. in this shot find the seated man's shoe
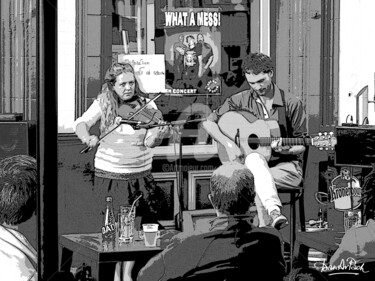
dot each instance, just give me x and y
(279, 221)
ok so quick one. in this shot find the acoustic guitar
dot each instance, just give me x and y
(254, 135)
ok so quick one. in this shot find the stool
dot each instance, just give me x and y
(296, 194)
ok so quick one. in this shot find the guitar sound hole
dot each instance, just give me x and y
(253, 141)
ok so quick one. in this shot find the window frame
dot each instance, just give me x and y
(168, 176)
(193, 176)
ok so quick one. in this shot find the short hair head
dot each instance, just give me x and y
(189, 37)
(18, 185)
(256, 63)
(232, 189)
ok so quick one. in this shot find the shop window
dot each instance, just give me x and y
(199, 188)
(66, 65)
(168, 184)
(129, 24)
(137, 27)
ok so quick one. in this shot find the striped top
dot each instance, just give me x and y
(123, 150)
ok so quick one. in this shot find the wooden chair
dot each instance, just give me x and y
(197, 219)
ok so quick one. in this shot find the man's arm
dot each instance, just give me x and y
(280, 148)
(296, 149)
(207, 65)
(297, 120)
(210, 56)
(200, 63)
(213, 130)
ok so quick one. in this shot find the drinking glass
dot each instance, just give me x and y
(150, 234)
(126, 218)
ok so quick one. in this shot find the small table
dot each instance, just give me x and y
(90, 248)
(325, 241)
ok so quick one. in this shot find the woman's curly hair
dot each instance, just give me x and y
(108, 99)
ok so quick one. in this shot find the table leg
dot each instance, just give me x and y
(103, 271)
(66, 259)
(300, 255)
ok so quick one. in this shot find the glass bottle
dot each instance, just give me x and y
(320, 218)
(108, 228)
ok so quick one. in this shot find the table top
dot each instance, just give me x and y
(92, 246)
(326, 241)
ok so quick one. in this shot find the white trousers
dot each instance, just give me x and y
(266, 180)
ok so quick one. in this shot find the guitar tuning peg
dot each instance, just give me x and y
(319, 134)
(327, 148)
(320, 148)
(331, 134)
(325, 133)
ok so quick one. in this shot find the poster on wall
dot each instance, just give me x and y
(193, 51)
(149, 70)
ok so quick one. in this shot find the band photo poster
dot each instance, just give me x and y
(193, 51)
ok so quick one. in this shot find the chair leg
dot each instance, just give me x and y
(292, 228)
(302, 218)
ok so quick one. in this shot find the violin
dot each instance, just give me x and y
(147, 115)
(135, 111)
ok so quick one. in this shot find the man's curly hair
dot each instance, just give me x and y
(18, 185)
(257, 63)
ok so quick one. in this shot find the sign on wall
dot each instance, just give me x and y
(345, 191)
(149, 71)
(193, 51)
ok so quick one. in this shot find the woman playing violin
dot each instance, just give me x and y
(124, 157)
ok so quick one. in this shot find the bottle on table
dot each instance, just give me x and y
(320, 218)
(109, 226)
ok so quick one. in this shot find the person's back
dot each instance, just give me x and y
(232, 249)
(237, 252)
(18, 183)
(18, 259)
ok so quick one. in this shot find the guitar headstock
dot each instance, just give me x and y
(324, 141)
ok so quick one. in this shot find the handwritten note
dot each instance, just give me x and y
(149, 71)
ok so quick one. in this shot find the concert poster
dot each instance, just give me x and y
(192, 51)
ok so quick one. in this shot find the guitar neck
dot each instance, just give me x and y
(286, 141)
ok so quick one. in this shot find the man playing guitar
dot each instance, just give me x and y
(265, 101)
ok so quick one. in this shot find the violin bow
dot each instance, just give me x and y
(88, 148)
(172, 123)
